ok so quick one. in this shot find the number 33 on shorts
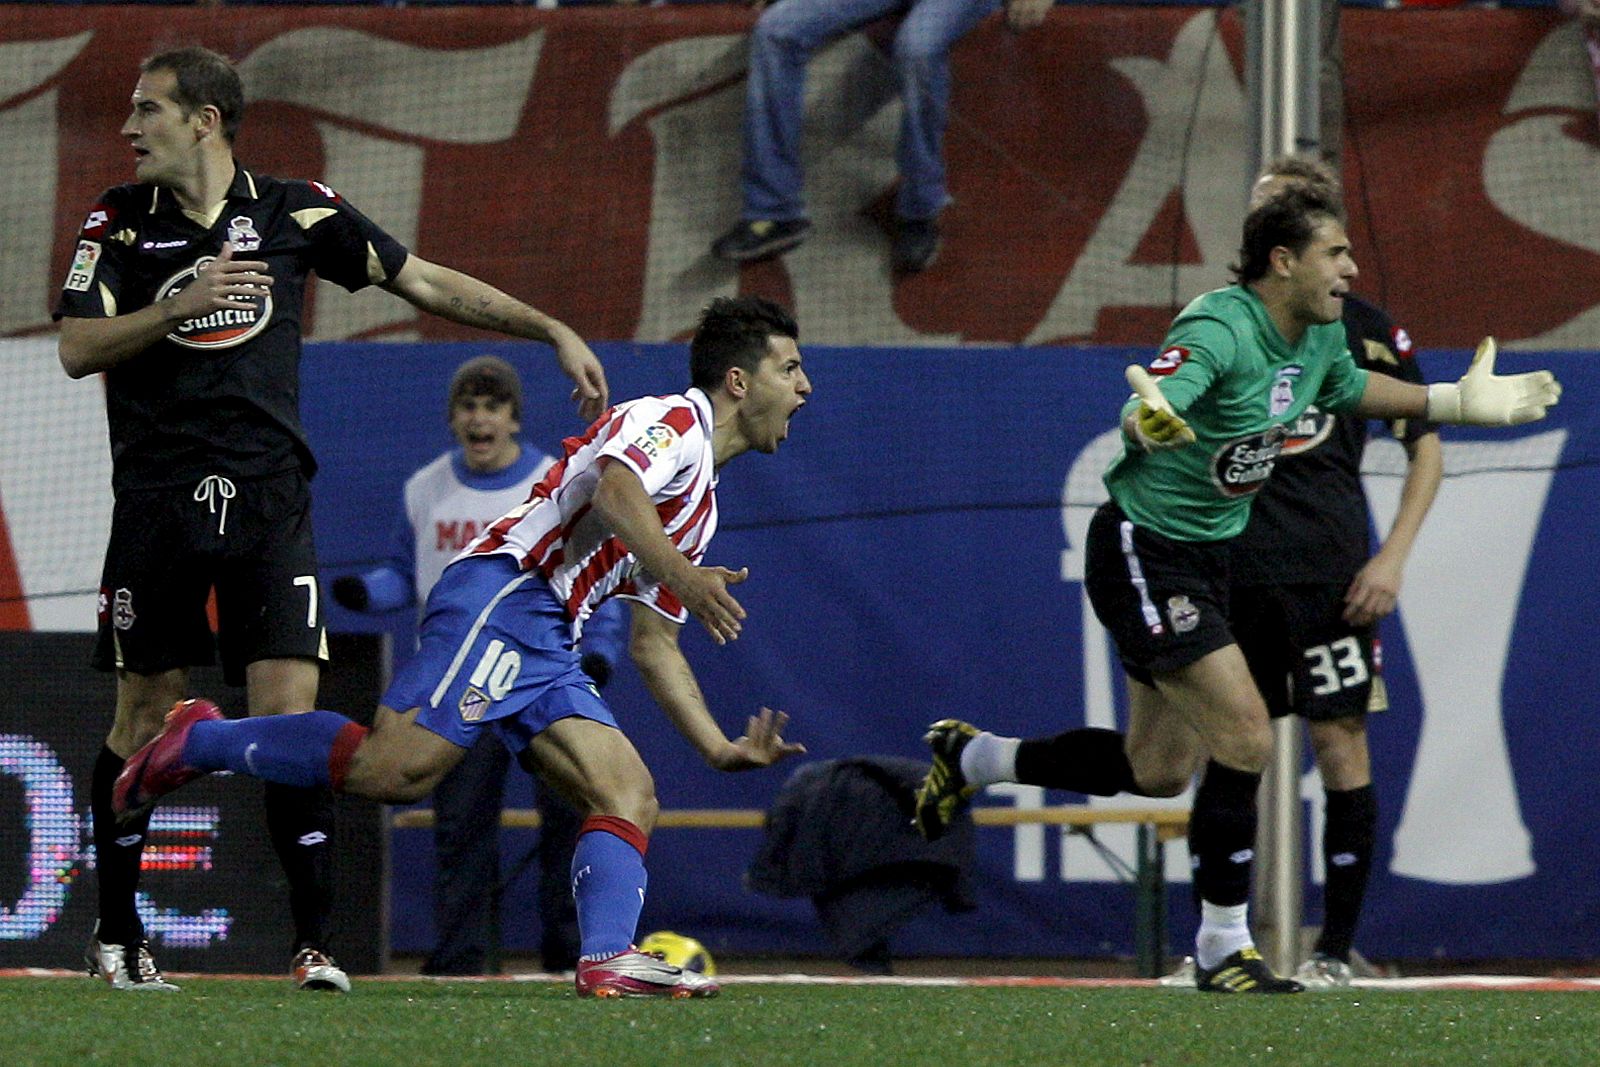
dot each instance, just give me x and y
(1337, 665)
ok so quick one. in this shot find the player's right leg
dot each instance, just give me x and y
(152, 627)
(118, 952)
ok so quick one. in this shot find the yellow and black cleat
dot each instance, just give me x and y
(944, 792)
(1243, 972)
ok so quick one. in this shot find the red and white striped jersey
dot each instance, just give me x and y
(666, 441)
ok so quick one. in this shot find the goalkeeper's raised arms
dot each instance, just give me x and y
(1484, 398)
(1153, 425)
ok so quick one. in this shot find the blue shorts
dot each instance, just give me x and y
(495, 648)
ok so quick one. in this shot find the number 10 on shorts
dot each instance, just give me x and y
(497, 670)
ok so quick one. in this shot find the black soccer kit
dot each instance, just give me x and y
(1307, 538)
(210, 464)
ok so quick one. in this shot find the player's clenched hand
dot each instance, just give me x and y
(1153, 424)
(1484, 398)
(225, 282)
(704, 592)
(761, 746)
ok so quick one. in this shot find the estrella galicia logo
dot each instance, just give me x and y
(1241, 467)
(1308, 431)
(223, 328)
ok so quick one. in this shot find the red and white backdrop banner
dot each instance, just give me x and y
(585, 159)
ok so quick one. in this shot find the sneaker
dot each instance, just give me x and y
(315, 970)
(1243, 972)
(125, 966)
(916, 244)
(1324, 972)
(640, 974)
(944, 792)
(157, 768)
(1182, 978)
(755, 239)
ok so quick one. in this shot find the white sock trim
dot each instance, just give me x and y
(1224, 930)
(988, 759)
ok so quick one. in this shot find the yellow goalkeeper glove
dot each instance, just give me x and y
(1484, 398)
(1153, 425)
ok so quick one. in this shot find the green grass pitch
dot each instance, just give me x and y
(414, 1023)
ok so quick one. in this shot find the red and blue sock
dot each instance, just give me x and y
(608, 883)
(305, 750)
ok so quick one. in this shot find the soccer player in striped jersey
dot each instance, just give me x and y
(447, 503)
(628, 512)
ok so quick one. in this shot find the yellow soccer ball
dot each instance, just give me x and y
(680, 951)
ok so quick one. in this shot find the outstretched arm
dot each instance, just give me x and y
(672, 683)
(462, 298)
(1480, 398)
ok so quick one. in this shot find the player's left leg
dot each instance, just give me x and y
(1220, 701)
(598, 770)
(270, 628)
(300, 823)
(1349, 832)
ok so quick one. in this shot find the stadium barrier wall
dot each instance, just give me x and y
(213, 896)
(585, 159)
(914, 551)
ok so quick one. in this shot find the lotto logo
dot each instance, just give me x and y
(1169, 360)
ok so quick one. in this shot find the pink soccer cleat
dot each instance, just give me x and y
(640, 974)
(157, 768)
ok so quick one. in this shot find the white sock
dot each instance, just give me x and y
(1224, 930)
(988, 759)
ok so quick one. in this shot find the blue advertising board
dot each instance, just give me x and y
(914, 553)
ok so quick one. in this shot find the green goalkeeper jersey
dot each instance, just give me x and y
(1231, 375)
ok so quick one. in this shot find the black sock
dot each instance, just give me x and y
(1347, 841)
(300, 820)
(1222, 834)
(1090, 760)
(118, 853)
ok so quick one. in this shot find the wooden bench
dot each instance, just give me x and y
(1154, 827)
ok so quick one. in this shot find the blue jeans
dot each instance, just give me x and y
(785, 37)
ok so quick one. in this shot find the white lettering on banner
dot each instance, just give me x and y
(1561, 204)
(1462, 822)
(1208, 171)
(29, 132)
(471, 96)
(848, 143)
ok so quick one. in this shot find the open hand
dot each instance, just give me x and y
(762, 744)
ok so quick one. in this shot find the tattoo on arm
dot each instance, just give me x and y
(478, 312)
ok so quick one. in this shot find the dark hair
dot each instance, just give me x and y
(203, 77)
(1302, 170)
(488, 376)
(1286, 220)
(734, 332)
